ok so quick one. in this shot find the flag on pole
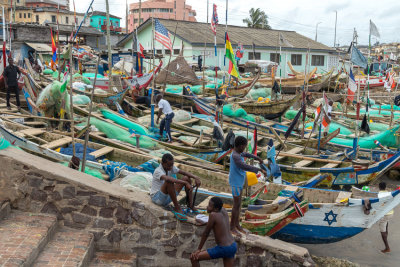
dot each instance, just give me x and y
(214, 20)
(352, 87)
(325, 119)
(253, 142)
(162, 35)
(283, 41)
(53, 50)
(294, 122)
(364, 125)
(373, 30)
(358, 58)
(231, 56)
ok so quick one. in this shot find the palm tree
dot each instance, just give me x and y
(258, 19)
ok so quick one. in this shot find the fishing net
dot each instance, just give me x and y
(373, 126)
(177, 71)
(261, 92)
(159, 153)
(337, 106)
(51, 100)
(48, 71)
(124, 122)
(99, 91)
(387, 138)
(80, 100)
(88, 170)
(181, 115)
(291, 113)
(55, 74)
(386, 107)
(139, 180)
(197, 89)
(114, 132)
(232, 110)
(174, 90)
(333, 126)
(4, 143)
(146, 120)
(201, 127)
(78, 151)
(187, 139)
(92, 75)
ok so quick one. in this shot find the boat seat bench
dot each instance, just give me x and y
(102, 151)
(58, 143)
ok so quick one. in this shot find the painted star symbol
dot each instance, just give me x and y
(330, 215)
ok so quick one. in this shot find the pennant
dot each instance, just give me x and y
(294, 122)
(231, 56)
(364, 125)
(357, 57)
(63, 87)
(4, 55)
(373, 30)
(253, 142)
(275, 88)
(352, 87)
(53, 50)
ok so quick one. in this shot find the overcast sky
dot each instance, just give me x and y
(300, 16)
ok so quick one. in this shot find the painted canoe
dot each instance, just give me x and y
(269, 224)
(272, 110)
(333, 215)
(237, 91)
(315, 87)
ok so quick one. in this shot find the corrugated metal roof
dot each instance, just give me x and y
(196, 33)
(39, 47)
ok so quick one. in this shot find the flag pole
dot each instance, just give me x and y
(71, 104)
(204, 52)
(152, 91)
(226, 30)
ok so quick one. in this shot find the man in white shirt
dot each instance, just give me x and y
(384, 222)
(165, 188)
(165, 107)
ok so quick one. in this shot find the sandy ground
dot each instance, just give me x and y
(364, 248)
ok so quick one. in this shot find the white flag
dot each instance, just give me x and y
(283, 41)
(373, 30)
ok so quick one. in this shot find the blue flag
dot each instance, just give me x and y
(358, 58)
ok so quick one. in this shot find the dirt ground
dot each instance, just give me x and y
(364, 248)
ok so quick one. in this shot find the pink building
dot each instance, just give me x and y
(165, 9)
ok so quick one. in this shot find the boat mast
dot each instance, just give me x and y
(204, 53)
(71, 103)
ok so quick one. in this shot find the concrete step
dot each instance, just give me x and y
(115, 259)
(67, 248)
(23, 235)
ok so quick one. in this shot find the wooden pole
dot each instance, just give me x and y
(71, 103)
(88, 120)
(391, 105)
(33, 116)
(169, 60)
(204, 53)
(108, 47)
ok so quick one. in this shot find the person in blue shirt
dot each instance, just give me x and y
(237, 175)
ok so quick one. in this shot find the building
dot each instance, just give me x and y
(46, 3)
(41, 15)
(164, 9)
(7, 6)
(98, 20)
(194, 36)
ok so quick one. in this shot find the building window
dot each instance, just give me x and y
(175, 4)
(99, 22)
(29, 15)
(24, 15)
(317, 60)
(20, 15)
(135, 20)
(257, 56)
(296, 60)
(168, 52)
(18, 1)
(37, 18)
(159, 51)
(66, 20)
(141, 20)
(274, 57)
(53, 19)
(176, 51)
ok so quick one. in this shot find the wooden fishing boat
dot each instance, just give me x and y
(315, 87)
(269, 224)
(236, 91)
(333, 215)
(271, 110)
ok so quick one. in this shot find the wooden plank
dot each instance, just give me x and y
(343, 195)
(102, 151)
(58, 143)
(330, 165)
(303, 163)
(191, 121)
(180, 157)
(277, 137)
(286, 154)
(291, 151)
(32, 131)
(268, 123)
(35, 123)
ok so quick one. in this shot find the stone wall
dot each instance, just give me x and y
(122, 220)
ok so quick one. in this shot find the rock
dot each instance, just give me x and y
(144, 251)
(97, 201)
(69, 192)
(81, 218)
(75, 202)
(35, 182)
(86, 193)
(38, 195)
(106, 212)
(50, 208)
(333, 262)
(123, 215)
(67, 210)
(100, 223)
(114, 236)
(55, 196)
(89, 211)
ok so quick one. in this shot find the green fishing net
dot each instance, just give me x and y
(48, 71)
(235, 111)
(387, 107)
(89, 171)
(124, 122)
(51, 100)
(4, 143)
(114, 132)
(260, 92)
(174, 90)
(333, 127)
(387, 138)
(291, 113)
(80, 99)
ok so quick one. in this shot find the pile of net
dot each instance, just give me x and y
(52, 98)
(79, 148)
(48, 71)
(201, 127)
(177, 71)
(387, 138)
(291, 113)
(138, 129)
(255, 94)
(4, 143)
(137, 180)
(235, 111)
(386, 107)
(114, 132)
(88, 170)
(181, 115)
(80, 100)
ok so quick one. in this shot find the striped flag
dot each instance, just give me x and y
(352, 87)
(214, 20)
(231, 56)
(253, 142)
(162, 35)
(325, 118)
(53, 50)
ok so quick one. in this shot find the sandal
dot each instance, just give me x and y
(181, 217)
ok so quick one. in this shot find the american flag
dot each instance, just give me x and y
(214, 20)
(162, 35)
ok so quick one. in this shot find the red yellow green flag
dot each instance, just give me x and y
(233, 70)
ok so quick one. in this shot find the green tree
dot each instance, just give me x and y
(258, 19)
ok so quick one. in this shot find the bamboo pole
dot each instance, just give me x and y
(71, 103)
(88, 120)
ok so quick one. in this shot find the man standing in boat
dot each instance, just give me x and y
(11, 75)
(237, 176)
(165, 107)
